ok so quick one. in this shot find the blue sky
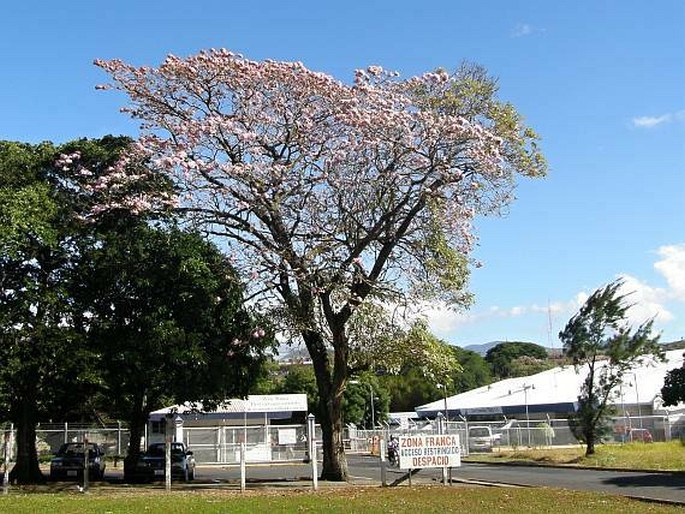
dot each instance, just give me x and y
(603, 82)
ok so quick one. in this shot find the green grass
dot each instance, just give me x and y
(649, 457)
(427, 499)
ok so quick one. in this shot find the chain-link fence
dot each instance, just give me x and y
(210, 445)
(478, 436)
(113, 438)
(288, 443)
(271, 443)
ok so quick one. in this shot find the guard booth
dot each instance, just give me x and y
(272, 426)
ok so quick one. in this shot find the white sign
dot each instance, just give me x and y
(429, 451)
(287, 436)
(277, 403)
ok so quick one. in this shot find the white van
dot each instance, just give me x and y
(481, 439)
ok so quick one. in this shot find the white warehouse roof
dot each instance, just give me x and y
(556, 390)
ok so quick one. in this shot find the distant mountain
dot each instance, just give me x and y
(674, 345)
(482, 349)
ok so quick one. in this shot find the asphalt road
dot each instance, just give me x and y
(659, 486)
(662, 486)
(365, 470)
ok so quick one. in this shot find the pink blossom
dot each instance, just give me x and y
(298, 169)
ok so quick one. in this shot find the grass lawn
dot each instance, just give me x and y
(344, 500)
(668, 456)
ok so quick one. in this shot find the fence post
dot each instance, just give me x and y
(11, 445)
(384, 464)
(465, 443)
(311, 434)
(242, 467)
(167, 454)
(85, 464)
(667, 428)
(6, 460)
(118, 437)
(441, 431)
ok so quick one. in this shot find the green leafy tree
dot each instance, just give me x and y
(269, 378)
(501, 357)
(300, 378)
(673, 391)
(366, 401)
(526, 365)
(46, 368)
(600, 343)
(455, 370)
(474, 373)
(167, 317)
(409, 388)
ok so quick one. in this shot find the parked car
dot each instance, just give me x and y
(152, 463)
(69, 462)
(481, 439)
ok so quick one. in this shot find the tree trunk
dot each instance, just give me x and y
(330, 407)
(26, 470)
(334, 461)
(590, 444)
(137, 422)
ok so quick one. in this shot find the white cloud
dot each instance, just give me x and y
(521, 30)
(672, 267)
(442, 319)
(517, 311)
(647, 301)
(653, 121)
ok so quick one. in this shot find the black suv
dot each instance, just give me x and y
(151, 464)
(68, 463)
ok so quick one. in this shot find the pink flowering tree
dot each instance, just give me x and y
(328, 195)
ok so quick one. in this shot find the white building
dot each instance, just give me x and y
(267, 423)
(554, 393)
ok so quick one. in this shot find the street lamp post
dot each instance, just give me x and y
(637, 399)
(373, 409)
(444, 397)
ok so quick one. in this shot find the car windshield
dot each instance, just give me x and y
(75, 449)
(479, 432)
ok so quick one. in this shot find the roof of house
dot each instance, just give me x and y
(275, 405)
